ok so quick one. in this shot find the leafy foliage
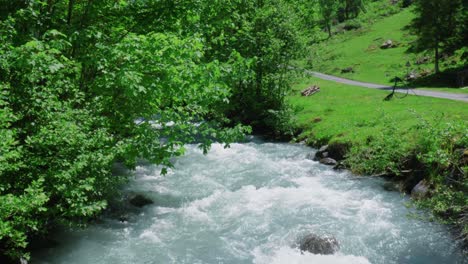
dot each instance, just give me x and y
(85, 84)
(440, 25)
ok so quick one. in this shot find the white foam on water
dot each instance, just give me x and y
(251, 203)
(286, 255)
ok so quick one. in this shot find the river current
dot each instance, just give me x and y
(251, 203)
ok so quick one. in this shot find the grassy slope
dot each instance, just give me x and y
(361, 50)
(353, 114)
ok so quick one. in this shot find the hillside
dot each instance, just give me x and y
(357, 54)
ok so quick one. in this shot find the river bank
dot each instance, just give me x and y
(411, 141)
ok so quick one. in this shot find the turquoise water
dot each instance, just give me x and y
(251, 203)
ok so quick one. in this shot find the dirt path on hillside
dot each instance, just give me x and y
(450, 96)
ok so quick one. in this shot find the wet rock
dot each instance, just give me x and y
(391, 187)
(140, 200)
(340, 166)
(421, 190)
(319, 154)
(335, 150)
(387, 44)
(124, 218)
(338, 151)
(329, 161)
(325, 245)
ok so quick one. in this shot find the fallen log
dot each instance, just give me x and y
(310, 91)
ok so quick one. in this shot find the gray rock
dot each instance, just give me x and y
(411, 76)
(390, 187)
(421, 190)
(328, 161)
(140, 200)
(319, 154)
(387, 44)
(340, 166)
(325, 245)
(323, 149)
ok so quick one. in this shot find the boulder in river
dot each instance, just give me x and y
(421, 190)
(140, 200)
(320, 153)
(324, 245)
(340, 166)
(391, 187)
(329, 161)
(335, 150)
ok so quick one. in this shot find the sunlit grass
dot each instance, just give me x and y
(342, 112)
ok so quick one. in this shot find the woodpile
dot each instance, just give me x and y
(310, 91)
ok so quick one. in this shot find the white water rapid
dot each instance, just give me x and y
(251, 203)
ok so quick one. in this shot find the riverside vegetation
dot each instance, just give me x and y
(407, 140)
(86, 84)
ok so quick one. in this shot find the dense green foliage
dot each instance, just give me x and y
(440, 25)
(85, 84)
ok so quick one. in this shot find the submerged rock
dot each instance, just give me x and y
(329, 161)
(391, 187)
(421, 190)
(340, 166)
(326, 245)
(140, 200)
(320, 154)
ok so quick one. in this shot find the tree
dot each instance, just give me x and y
(349, 9)
(328, 10)
(437, 25)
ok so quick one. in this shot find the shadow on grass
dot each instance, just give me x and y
(445, 79)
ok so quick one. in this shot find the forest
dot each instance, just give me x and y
(86, 84)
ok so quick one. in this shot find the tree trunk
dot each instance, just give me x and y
(329, 30)
(436, 64)
(70, 11)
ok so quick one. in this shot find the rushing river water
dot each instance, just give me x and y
(251, 203)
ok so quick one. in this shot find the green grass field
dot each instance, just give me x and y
(346, 113)
(360, 49)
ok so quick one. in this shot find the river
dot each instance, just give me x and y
(251, 203)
